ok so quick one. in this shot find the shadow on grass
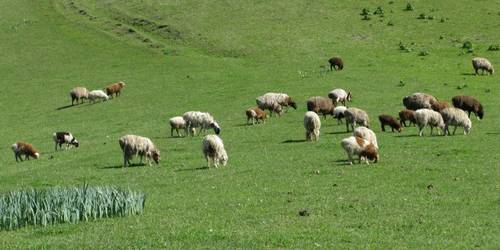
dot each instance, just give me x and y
(133, 165)
(468, 74)
(293, 141)
(191, 169)
(65, 107)
(338, 132)
(406, 136)
(493, 133)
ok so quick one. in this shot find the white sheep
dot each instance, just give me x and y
(78, 94)
(137, 145)
(97, 94)
(274, 102)
(482, 64)
(213, 150)
(312, 125)
(177, 123)
(455, 117)
(429, 117)
(339, 95)
(366, 134)
(338, 112)
(202, 120)
(356, 116)
(364, 149)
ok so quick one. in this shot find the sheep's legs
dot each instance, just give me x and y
(420, 130)
(383, 128)
(454, 130)
(172, 132)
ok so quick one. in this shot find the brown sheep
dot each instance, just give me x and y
(419, 101)
(115, 88)
(407, 115)
(468, 104)
(23, 148)
(336, 63)
(321, 105)
(389, 120)
(256, 114)
(439, 105)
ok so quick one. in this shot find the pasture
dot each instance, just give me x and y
(218, 56)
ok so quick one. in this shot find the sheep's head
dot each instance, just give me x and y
(480, 112)
(37, 155)
(155, 154)
(491, 70)
(349, 96)
(75, 143)
(224, 159)
(370, 152)
(397, 126)
(292, 103)
(216, 127)
(122, 84)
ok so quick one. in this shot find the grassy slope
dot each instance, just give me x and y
(48, 49)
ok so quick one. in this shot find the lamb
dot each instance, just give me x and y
(362, 148)
(66, 138)
(115, 89)
(137, 145)
(355, 115)
(312, 124)
(176, 123)
(255, 114)
(366, 134)
(336, 63)
(429, 117)
(389, 120)
(338, 112)
(419, 101)
(339, 95)
(274, 102)
(407, 115)
(456, 117)
(468, 104)
(482, 64)
(78, 94)
(97, 94)
(213, 150)
(439, 105)
(321, 105)
(202, 120)
(23, 148)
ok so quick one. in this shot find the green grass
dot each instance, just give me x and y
(218, 56)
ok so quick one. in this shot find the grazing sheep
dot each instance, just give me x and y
(366, 134)
(213, 150)
(202, 120)
(97, 94)
(255, 114)
(339, 95)
(312, 124)
(355, 115)
(455, 117)
(439, 105)
(407, 115)
(338, 112)
(115, 89)
(362, 148)
(67, 138)
(419, 101)
(468, 104)
(23, 148)
(482, 64)
(78, 94)
(321, 105)
(177, 123)
(389, 120)
(274, 102)
(336, 63)
(429, 117)
(137, 145)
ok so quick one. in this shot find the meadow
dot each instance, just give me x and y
(218, 56)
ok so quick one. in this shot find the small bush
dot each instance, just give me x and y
(423, 53)
(404, 47)
(379, 11)
(366, 14)
(390, 23)
(467, 46)
(462, 86)
(66, 205)
(494, 47)
(409, 7)
(422, 16)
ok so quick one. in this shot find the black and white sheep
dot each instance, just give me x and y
(429, 117)
(417, 101)
(482, 64)
(274, 102)
(66, 138)
(356, 116)
(213, 150)
(366, 134)
(339, 96)
(338, 112)
(455, 117)
(132, 145)
(78, 94)
(312, 124)
(364, 149)
(468, 104)
(201, 120)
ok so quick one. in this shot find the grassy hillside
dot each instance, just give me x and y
(217, 56)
